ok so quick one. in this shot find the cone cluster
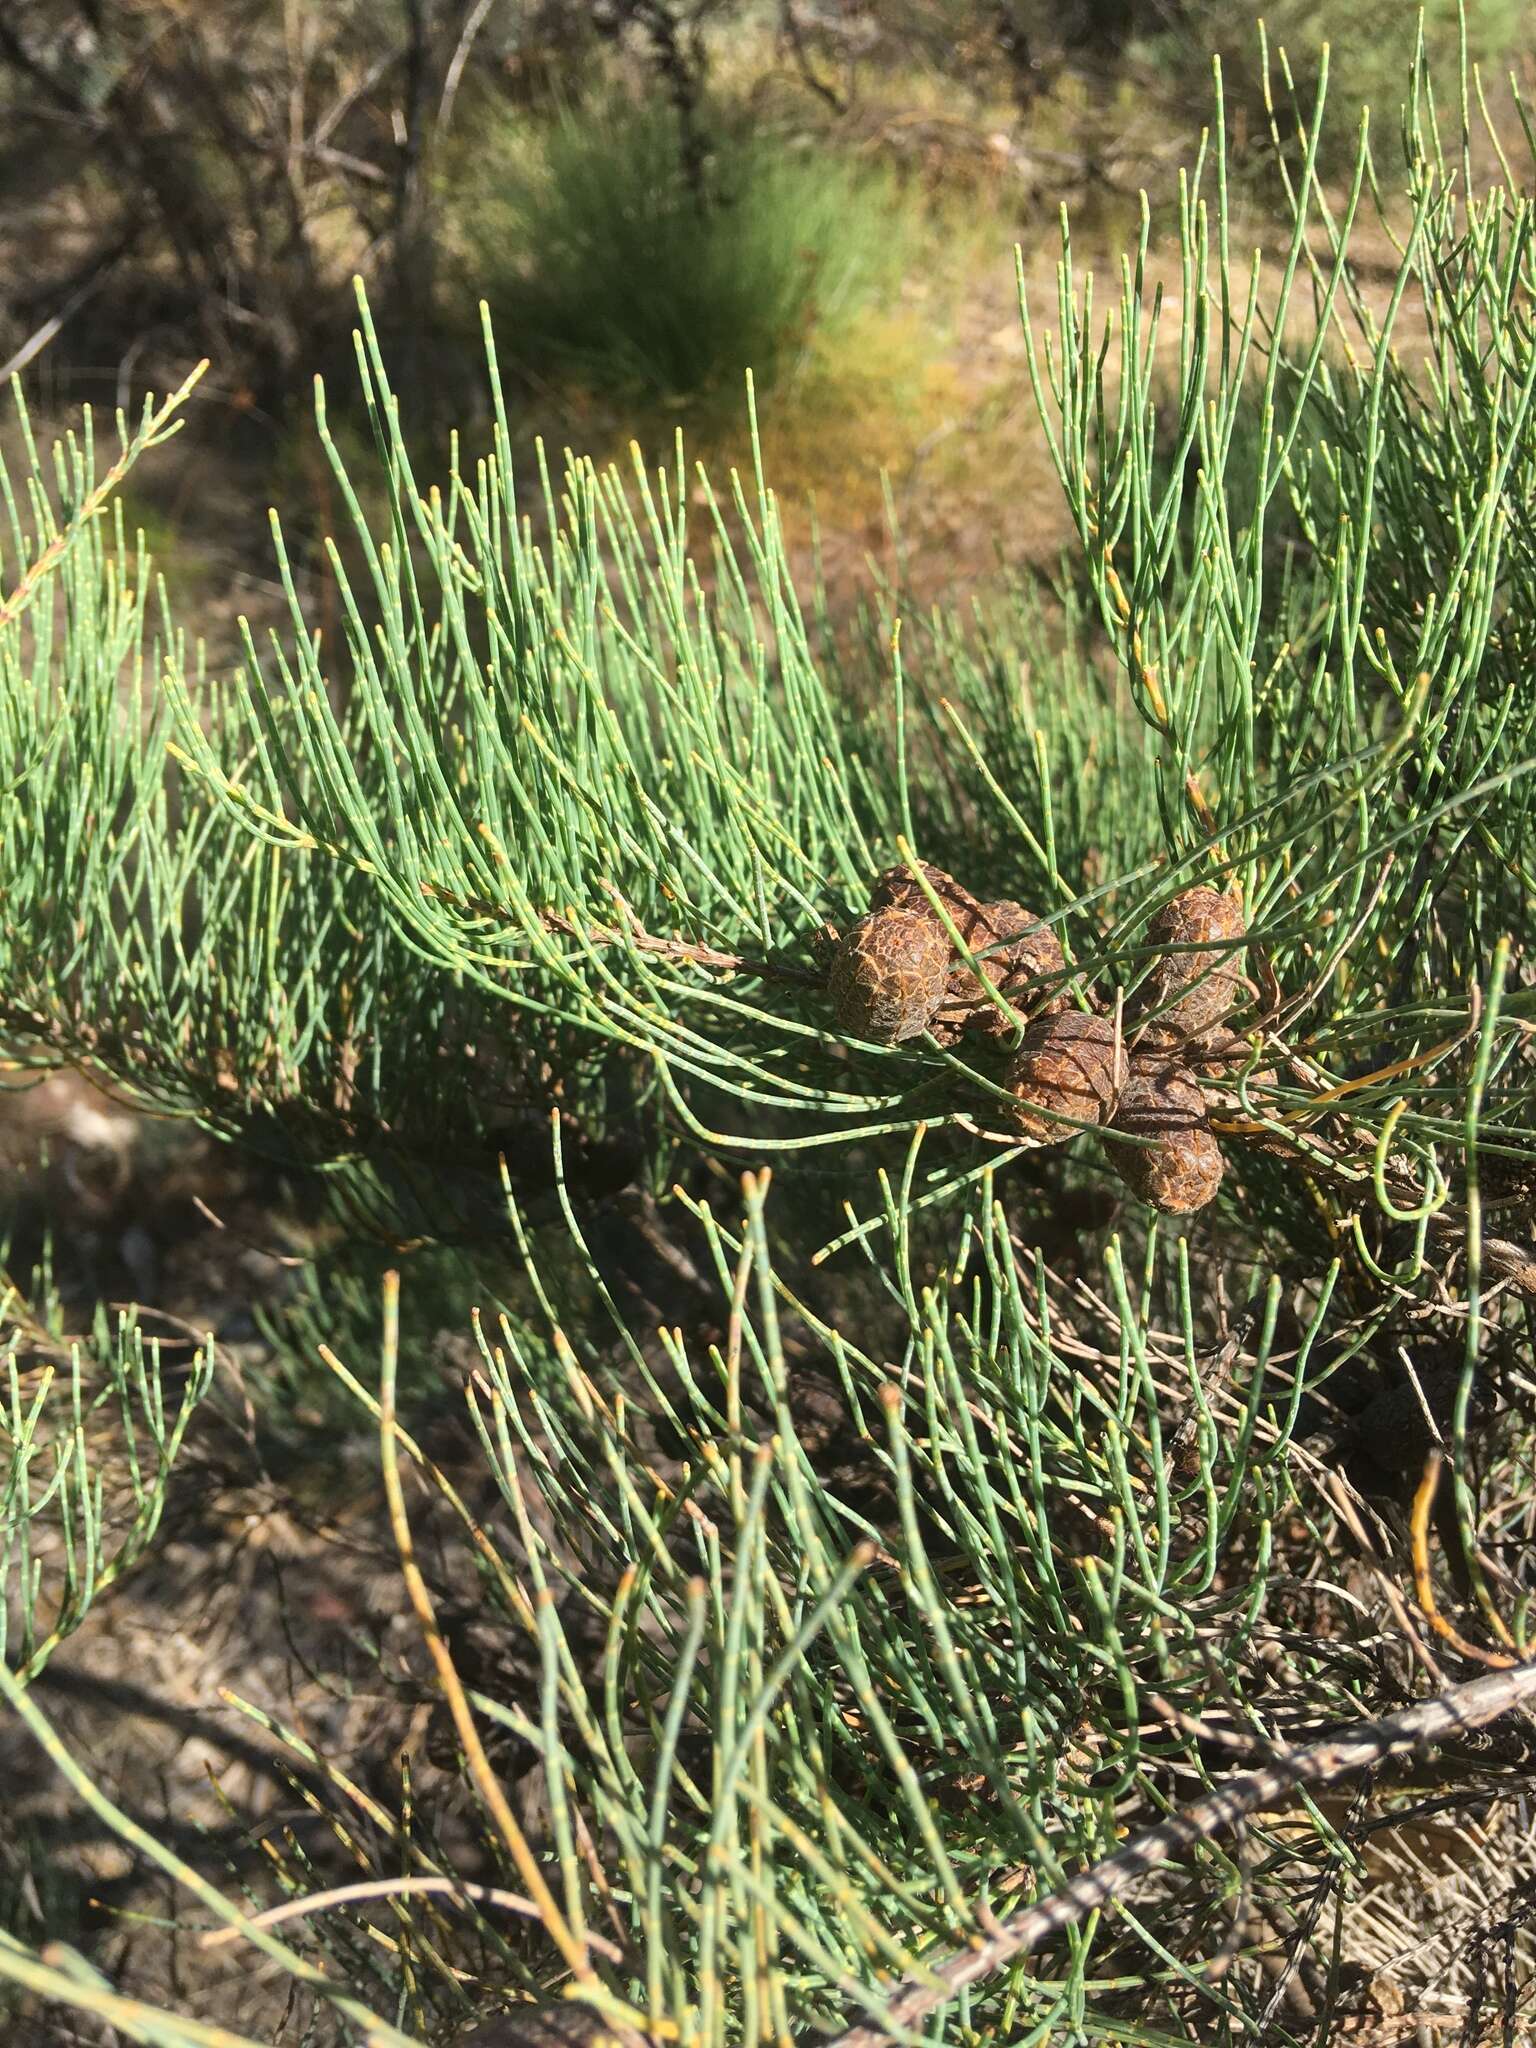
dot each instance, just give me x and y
(897, 973)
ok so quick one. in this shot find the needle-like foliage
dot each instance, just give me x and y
(81, 1415)
(947, 1538)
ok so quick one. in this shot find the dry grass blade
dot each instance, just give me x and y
(394, 1888)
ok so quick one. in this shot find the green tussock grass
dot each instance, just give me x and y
(604, 264)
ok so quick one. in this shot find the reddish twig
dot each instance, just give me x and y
(685, 950)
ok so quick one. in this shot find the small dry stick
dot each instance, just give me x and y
(1472, 1705)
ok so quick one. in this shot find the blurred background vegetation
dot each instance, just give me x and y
(653, 195)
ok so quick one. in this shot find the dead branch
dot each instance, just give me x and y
(1467, 1706)
(792, 34)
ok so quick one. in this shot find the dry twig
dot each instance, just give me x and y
(1463, 1707)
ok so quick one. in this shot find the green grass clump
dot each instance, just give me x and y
(604, 260)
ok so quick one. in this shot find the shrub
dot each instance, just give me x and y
(938, 1517)
(603, 259)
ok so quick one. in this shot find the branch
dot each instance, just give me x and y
(793, 32)
(683, 949)
(681, 71)
(559, 1929)
(77, 292)
(14, 52)
(332, 119)
(156, 427)
(1463, 1707)
(456, 63)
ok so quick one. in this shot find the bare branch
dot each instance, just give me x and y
(456, 63)
(1463, 1707)
(792, 30)
(78, 294)
(683, 950)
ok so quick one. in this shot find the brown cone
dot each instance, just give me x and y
(1181, 1168)
(896, 889)
(1225, 1053)
(889, 974)
(1016, 969)
(1068, 1066)
(1209, 979)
